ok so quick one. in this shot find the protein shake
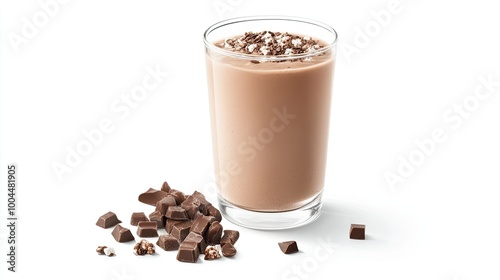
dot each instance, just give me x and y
(270, 108)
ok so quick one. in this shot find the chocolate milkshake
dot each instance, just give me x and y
(270, 95)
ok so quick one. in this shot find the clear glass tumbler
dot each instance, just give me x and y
(269, 120)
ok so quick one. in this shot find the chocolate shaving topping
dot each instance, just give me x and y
(269, 43)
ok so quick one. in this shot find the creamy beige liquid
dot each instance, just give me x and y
(269, 129)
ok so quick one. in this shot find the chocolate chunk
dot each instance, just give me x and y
(122, 234)
(152, 196)
(212, 253)
(201, 224)
(147, 229)
(193, 212)
(197, 215)
(167, 242)
(164, 203)
(170, 224)
(138, 217)
(179, 196)
(214, 233)
(191, 201)
(230, 236)
(177, 213)
(228, 250)
(188, 252)
(357, 232)
(157, 217)
(108, 220)
(212, 211)
(181, 230)
(198, 239)
(165, 187)
(288, 247)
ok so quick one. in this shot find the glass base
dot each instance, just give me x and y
(271, 220)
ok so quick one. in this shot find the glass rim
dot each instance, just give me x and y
(212, 47)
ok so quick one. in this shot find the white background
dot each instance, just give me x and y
(440, 223)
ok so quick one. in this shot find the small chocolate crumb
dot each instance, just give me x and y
(288, 247)
(357, 232)
(100, 250)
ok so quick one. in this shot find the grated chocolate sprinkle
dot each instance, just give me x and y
(269, 43)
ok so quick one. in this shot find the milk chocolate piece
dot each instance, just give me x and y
(170, 224)
(165, 187)
(214, 233)
(147, 229)
(152, 196)
(201, 224)
(193, 211)
(230, 236)
(357, 232)
(138, 217)
(198, 239)
(228, 250)
(177, 213)
(164, 203)
(288, 247)
(179, 196)
(181, 230)
(212, 211)
(191, 201)
(188, 252)
(167, 242)
(197, 215)
(108, 220)
(122, 234)
(157, 217)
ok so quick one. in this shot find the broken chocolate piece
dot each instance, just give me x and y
(167, 242)
(357, 232)
(157, 217)
(100, 249)
(214, 233)
(177, 213)
(170, 224)
(122, 234)
(108, 220)
(138, 217)
(228, 250)
(181, 230)
(188, 252)
(198, 239)
(212, 211)
(288, 247)
(201, 224)
(147, 229)
(179, 196)
(164, 203)
(152, 196)
(230, 236)
(165, 187)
